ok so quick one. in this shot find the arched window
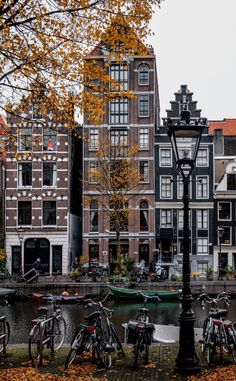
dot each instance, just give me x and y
(143, 75)
(94, 216)
(143, 216)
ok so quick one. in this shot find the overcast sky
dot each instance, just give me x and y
(195, 44)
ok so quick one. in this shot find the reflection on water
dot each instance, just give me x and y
(20, 314)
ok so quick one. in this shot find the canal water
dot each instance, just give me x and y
(20, 313)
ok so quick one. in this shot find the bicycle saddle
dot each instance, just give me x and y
(144, 310)
(93, 316)
(218, 313)
(43, 310)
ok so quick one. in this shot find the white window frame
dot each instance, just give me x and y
(146, 108)
(167, 216)
(180, 187)
(202, 246)
(143, 139)
(202, 163)
(19, 175)
(144, 180)
(93, 165)
(198, 185)
(120, 76)
(230, 239)
(119, 111)
(205, 213)
(218, 210)
(54, 175)
(139, 71)
(94, 143)
(171, 187)
(162, 160)
(180, 218)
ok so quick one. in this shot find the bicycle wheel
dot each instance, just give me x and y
(59, 332)
(146, 353)
(34, 344)
(211, 348)
(138, 347)
(76, 347)
(232, 343)
(117, 341)
(7, 334)
(104, 347)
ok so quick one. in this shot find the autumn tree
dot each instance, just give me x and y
(44, 43)
(115, 178)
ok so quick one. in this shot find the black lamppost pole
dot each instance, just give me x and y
(20, 233)
(220, 231)
(185, 135)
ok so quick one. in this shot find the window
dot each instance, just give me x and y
(202, 187)
(24, 139)
(93, 167)
(37, 111)
(143, 75)
(231, 182)
(183, 107)
(94, 216)
(93, 139)
(93, 253)
(226, 238)
(118, 142)
(181, 219)
(202, 157)
(143, 216)
(24, 174)
(49, 174)
(49, 140)
(202, 245)
(180, 187)
(202, 267)
(119, 111)
(143, 138)
(143, 105)
(166, 187)
(224, 210)
(202, 219)
(144, 171)
(24, 213)
(165, 157)
(49, 213)
(120, 74)
(166, 218)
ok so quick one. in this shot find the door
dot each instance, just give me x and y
(37, 248)
(57, 259)
(16, 259)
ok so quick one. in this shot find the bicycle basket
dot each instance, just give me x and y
(148, 334)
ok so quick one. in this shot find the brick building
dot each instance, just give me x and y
(131, 122)
(37, 192)
(224, 137)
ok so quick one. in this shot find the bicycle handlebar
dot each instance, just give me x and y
(204, 298)
(90, 302)
(147, 296)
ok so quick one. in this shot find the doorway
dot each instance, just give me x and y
(37, 248)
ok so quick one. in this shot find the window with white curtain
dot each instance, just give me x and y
(202, 186)
(166, 218)
(166, 187)
(202, 219)
(143, 216)
(202, 245)
(143, 138)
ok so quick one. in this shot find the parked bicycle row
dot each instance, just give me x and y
(98, 334)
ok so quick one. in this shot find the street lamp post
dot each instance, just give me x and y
(20, 233)
(185, 135)
(220, 231)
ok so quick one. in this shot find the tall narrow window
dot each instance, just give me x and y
(118, 143)
(166, 218)
(49, 140)
(202, 187)
(49, 174)
(202, 157)
(24, 174)
(24, 213)
(144, 171)
(93, 174)
(143, 138)
(24, 139)
(119, 111)
(120, 75)
(202, 219)
(202, 245)
(143, 75)
(49, 213)
(143, 105)
(94, 216)
(224, 211)
(166, 187)
(165, 157)
(93, 139)
(143, 216)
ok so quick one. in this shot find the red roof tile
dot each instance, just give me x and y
(227, 125)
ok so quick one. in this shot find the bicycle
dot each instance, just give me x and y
(4, 329)
(46, 332)
(218, 332)
(141, 330)
(99, 334)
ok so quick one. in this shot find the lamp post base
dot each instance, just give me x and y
(187, 361)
